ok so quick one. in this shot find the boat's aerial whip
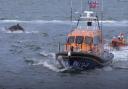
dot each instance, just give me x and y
(71, 10)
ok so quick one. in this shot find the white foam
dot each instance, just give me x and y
(105, 22)
(27, 32)
(39, 62)
(49, 63)
(33, 21)
(51, 66)
(115, 23)
(14, 32)
(46, 54)
(107, 68)
(43, 53)
(121, 55)
(120, 58)
(121, 64)
(31, 32)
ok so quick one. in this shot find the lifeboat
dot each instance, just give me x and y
(84, 48)
(118, 42)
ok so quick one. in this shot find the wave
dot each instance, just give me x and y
(47, 54)
(48, 61)
(105, 22)
(53, 66)
(120, 58)
(27, 32)
(120, 61)
(121, 55)
(33, 21)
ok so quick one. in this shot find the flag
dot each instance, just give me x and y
(92, 4)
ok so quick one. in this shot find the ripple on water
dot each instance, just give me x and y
(120, 58)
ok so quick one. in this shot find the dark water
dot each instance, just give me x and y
(27, 59)
(57, 9)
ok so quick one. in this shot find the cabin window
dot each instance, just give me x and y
(71, 39)
(89, 23)
(79, 39)
(88, 40)
(96, 40)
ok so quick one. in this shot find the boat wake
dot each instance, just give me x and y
(51, 63)
(48, 61)
(120, 61)
(105, 22)
(53, 66)
(120, 58)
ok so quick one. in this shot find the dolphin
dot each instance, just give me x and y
(16, 27)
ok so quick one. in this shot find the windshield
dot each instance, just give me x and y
(96, 40)
(88, 40)
(71, 39)
(79, 39)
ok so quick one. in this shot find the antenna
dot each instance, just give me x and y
(98, 22)
(71, 12)
(71, 9)
(101, 19)
(101, 13)
(78, 20)
(81, 6)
